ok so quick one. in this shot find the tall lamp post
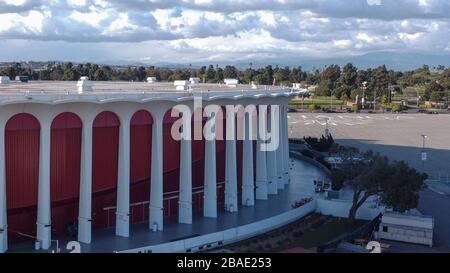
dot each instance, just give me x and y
(424, 154)
(327, 130)
(331, 100)
(363, 100)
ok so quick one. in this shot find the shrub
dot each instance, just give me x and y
(312, 107)
(396, 107)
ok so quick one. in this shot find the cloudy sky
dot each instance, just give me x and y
(190, 31)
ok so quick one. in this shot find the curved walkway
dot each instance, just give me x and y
(212, 232)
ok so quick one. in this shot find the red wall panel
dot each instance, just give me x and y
(140, 164)
(239, 146)
(22, 169)
(171, 165)
(22, 173)
(141, 146)
(65, 170)
(221, 157)
(254, 161)
(105, 148)
(198, 167)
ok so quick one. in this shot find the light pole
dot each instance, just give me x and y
(374, 98)
(424, 154)
(363, 100)
(331, 100)
(303, 98)
(418, 98)
(327, 130)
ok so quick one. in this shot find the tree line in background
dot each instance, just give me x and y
(344, 83)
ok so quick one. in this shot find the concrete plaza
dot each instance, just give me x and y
(397, 136)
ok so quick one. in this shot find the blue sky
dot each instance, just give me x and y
(190, 31)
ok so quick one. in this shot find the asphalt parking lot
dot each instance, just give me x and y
(398, 136)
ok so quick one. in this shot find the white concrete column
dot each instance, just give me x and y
(283, 143)
(156, 208)
(248, 181)
(185, 201)
(271, 156)
(261, 159)
(231, 195)
(210, 183)
(43, 207)
(85, 205)
(279, 152)
(286, 145)
(123, 183)
(3, 207)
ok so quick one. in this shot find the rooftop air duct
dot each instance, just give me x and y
(194, 80)
(231, 82)
(181, 85)
(84, 84)
(151, 79)
(4, 79)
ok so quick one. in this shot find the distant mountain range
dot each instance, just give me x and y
(395, 61)
(392, 60)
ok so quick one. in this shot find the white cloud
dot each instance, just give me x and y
(214, 29)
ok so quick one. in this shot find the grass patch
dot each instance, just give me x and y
(319, 101)
(326, 233)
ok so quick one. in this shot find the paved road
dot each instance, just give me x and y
(397, 136)
(438, 205)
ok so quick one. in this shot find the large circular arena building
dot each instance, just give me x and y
(103, 157)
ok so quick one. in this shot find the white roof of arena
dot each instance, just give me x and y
(54, 92)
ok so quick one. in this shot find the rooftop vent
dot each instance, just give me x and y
(151, 79)
(181, 85)
(194, 80)
(4, 79)
(22, 78)
(84, 84)
(231, 82)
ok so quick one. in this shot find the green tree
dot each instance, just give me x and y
(297, 75)
(371, 174)
(430, 88)
(281, 75)
(267, 75)
(435, 96)
(347, 82)
(210, 74)
(401, 189)
(248, 75)
(328, 80)
(70, 73)
(219, 76)
(230, 72)
(100, 75)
